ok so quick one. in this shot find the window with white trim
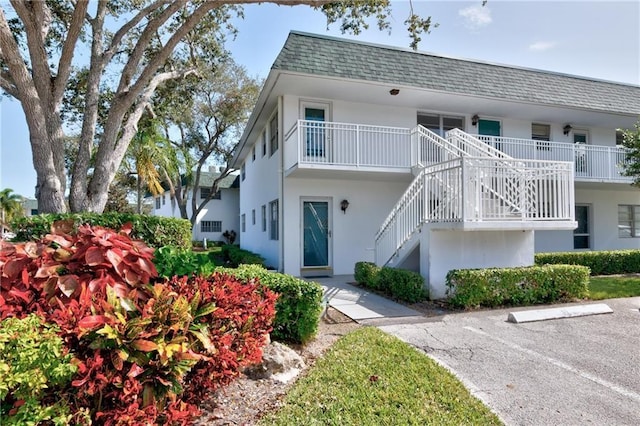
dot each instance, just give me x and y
(253, 153)
(253, 216)
(264, 218)
(242, 172)
(273, 220)
(243, 222)
(204, 194)
(440, 124)
(211, 226)
(541, 133)
(273, 133)
(628, 221)
(263, 137)
(157, 202)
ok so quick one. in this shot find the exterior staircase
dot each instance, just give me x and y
(462, 183)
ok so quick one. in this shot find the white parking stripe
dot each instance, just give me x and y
(612, 386)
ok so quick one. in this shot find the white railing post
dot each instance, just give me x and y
(358, 145)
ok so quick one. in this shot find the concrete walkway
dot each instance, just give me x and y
(362, 306)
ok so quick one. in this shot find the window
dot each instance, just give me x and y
(273, 220)
(253, 153)
(243, 222)
(263, 136)
(164, 199)
(242, 172)
(264, 218)
(34, 212)
(619, 137)
(273, 133)
(582, 235)
(205, 192)
(628, 221)
(440, 124)
(542, 134)
(157, 202)
(253, 216)
(211, 226)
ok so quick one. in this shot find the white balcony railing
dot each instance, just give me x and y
(478, 189)
(591, 162)
(345, 144)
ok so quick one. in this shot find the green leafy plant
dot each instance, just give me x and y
(403, 285)
(470, 288)
(155, 231)
(366, 274)
(34, 367)
(236, 256)
(299, 302)
(171, 261)
(606, 262)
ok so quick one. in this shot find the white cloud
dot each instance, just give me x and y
(476, 16)
(541, 46)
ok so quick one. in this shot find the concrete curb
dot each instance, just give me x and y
(556, 313)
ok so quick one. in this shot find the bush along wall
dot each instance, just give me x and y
(299, 302)
(155, 231)
(143, 350)
(235, 256)
(400, 284)
(599, 262)
(471, 288)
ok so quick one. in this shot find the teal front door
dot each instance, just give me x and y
(316, 235)
(490, 128)
(315, 134)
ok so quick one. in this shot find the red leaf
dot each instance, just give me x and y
(60, 240)
(26, 296)
(25, 277)
(135, 371)
(68, 284)
(13, 268)
(31, 249)
(92, 321)
(62, 226)
(94, 256)
(144, 345)
(47, 271)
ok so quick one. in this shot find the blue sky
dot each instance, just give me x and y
(594, 39)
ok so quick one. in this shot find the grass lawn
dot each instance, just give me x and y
(609, 287)
(371, 378)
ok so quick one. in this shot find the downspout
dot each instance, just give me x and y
(281, 188)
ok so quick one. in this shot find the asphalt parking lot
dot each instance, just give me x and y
(575, 371)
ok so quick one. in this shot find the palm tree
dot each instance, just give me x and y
(11, 207)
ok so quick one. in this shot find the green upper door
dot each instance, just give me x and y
(315, 132)
(489, 127)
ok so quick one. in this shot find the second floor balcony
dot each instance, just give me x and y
(351, 147)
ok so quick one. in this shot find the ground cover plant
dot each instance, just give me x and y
(608, 287)
(146, 351)
(371, 378)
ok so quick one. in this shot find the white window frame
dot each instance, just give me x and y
(274, 216)
(210, 226)
(634, 228)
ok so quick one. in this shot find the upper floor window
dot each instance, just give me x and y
(164, 199)
(253, 153)
(253, 216)
(243, 222)
(264, 218)
(242, 172)
(541, 133)
(273, 133)
(440, 124)
(263, 138)
(619, 137)
(628, 221)
(157, 202)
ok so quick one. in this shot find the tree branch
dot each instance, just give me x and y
(8, 85)
(68, 49)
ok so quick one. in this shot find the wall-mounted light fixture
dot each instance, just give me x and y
(474, 120)
(566, 129)
(394, 92)
(344, 205)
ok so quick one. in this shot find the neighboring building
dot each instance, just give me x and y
(219, 215)
(30, 207)
(351, 154)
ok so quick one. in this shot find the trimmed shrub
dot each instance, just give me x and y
(600, 262)
(34, 366)
(171, 261)
(145, 353)
(366, 274)
(299, 302)
(470, 288)
(400, 284)
(236, 256)
(155, 231)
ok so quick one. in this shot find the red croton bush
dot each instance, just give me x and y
(147, 351)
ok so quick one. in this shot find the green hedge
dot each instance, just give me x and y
(600, 262)
(171, 261)
(299, 303)
(400, 284)
(156, 231)
(472, 288)
(236, 256)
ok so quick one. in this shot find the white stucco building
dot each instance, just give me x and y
(351, 154)
(219, 215)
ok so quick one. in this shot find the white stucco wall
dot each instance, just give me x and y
(603, 205)
(352, 232)
(225, 210)
(260, 187)
(443, 251)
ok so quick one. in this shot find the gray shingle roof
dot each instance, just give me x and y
(335, 57)
(230, 181)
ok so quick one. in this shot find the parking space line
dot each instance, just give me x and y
(612, 386)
